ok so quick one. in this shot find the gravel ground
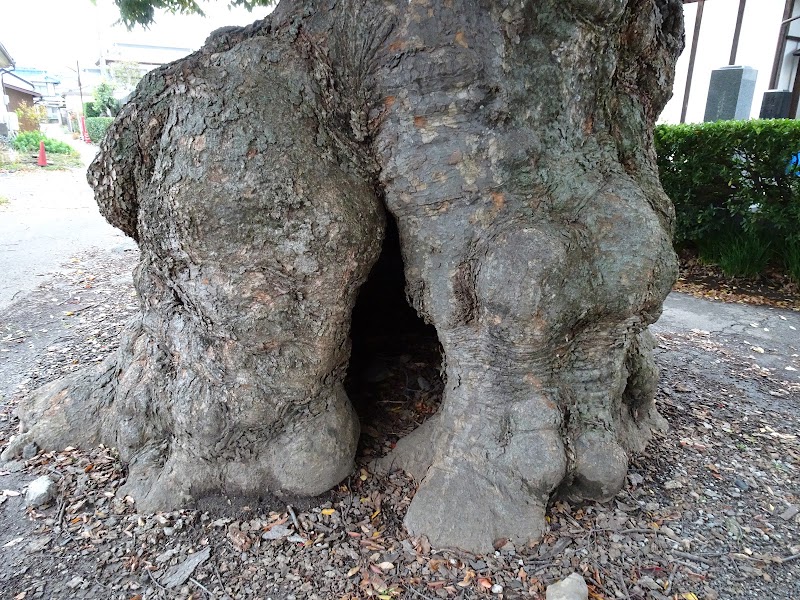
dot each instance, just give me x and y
(709, 511)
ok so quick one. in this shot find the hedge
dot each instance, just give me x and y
(733, 183)
(96, 127)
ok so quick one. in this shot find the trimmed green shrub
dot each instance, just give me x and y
(731, 174)
(28, 141)
(97, 126)
(734, 184)
(89, 110)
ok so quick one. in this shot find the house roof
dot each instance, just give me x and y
(36, 75)
(5, 58)
(13, 82)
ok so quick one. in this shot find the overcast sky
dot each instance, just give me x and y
(54, 34)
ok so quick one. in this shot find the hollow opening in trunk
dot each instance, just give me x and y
(394, 379)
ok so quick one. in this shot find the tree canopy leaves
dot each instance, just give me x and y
(142, 12)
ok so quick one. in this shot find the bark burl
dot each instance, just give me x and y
(512, 143)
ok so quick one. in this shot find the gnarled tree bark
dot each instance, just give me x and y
(512, 143)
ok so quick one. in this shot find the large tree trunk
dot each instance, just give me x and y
(511, 141)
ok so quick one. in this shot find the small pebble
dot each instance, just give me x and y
(30, 450)
(40, 491)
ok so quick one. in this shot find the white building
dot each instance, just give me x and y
(116, 59)
(47, 87)
(8, 120)
(759, 45)
(146, 56)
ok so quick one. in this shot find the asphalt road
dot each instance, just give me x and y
(771, 335)
(50, 216)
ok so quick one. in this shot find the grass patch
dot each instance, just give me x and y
(3, 200)
(13, 160)
(791, 260)
(59, 162)
(742, 255)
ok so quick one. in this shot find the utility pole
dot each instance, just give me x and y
(84, 133)
(80, 88)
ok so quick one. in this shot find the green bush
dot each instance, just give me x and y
(28, 141)
(89, 110)
(104, 102)
(97, 126)
(733, 185)
(744, 254)
(30, 116)
(791, 259)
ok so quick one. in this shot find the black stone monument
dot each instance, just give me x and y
(730, 95)
(777, 104)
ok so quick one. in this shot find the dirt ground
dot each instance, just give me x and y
(710, 510)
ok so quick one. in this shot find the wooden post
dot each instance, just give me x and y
(692, 56)
(737, 32)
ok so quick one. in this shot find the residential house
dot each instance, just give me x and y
(6, 64)
(47, 86)
(18, 90)
(121, 64)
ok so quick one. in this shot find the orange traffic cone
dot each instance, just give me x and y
(42, 155)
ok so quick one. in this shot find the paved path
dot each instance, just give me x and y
(50, 217)
(776, 331)
(87, 151)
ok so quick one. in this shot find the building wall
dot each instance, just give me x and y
(15, 98)
(789, 70)
(757, 43)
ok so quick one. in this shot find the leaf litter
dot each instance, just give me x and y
(710, 509)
